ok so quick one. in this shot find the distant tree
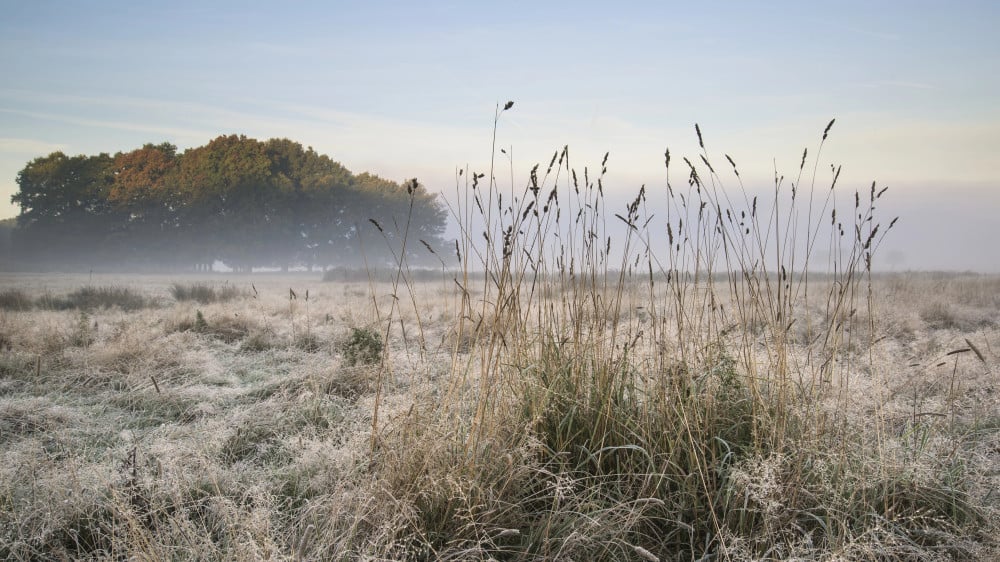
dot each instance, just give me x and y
(314, 189)
(143, 191)
(140, 176)
(65, 211)
(7, 227)
(398, 210)
(226, 200)
(236, 199)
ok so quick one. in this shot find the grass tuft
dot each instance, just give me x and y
(363, 347)
(15, 300)
(95, 298)
(203, 293)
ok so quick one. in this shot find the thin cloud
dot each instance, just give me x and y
(883, 35)
(282, 49)
(902, 84)
(112, 102)
(29, 146)
(284, 119)
(109, 124)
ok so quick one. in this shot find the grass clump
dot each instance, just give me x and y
(700, 427)
(257, 442)
(307, 341)
(227, 328)
(85, 298)
(203, 293)
(94, 298)
(84, 331)
(940, 315)
(363, 347)
(342, 274)
(259, 340)
(149, 408)
(249, 335)
(200, 324)
(15, 300)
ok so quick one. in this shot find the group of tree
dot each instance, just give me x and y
(236, 200)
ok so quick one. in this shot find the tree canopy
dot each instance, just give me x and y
(237, 200)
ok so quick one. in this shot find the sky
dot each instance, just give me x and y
(410, 89)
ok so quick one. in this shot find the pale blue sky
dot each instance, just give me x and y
(408, 89)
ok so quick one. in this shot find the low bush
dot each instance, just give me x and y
(203, 293)
(93, 298)
(15, 299)
(363, 347)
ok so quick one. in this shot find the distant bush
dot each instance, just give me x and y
(83, 333)
(941, 315)
(259, 340)
(15, 299)
(307, 342)
(229, 329)
(200, 325)
(204, 293)
(358, 275)
(348, 274)
(232, 329)
(92, 298)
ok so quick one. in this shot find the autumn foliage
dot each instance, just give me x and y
(237, 200)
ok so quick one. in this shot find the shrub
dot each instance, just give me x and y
(200, 325)
(83, 333)
(307, 341)
(258, 340)
(202, 293)
(92, 298)
(364, 347)
(15, 299)
(343, 274)
(231, 329)
(941, 315)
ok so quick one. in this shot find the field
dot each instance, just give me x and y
(139, 423)
(685, 378)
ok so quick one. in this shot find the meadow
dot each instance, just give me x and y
(559, 396)
(154, 427)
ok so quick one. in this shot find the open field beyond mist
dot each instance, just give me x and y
(139, 423)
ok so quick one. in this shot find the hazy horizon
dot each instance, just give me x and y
(410, 91)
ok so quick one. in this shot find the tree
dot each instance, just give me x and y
(140, 176)
(397, 210)
(64, 206)
(224, 199)
(239, 200)
(143, 191)
(7, 227)
(314, 189)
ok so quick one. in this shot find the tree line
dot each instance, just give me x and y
(243, 202)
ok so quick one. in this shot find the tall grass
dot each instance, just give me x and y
(670, 394)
